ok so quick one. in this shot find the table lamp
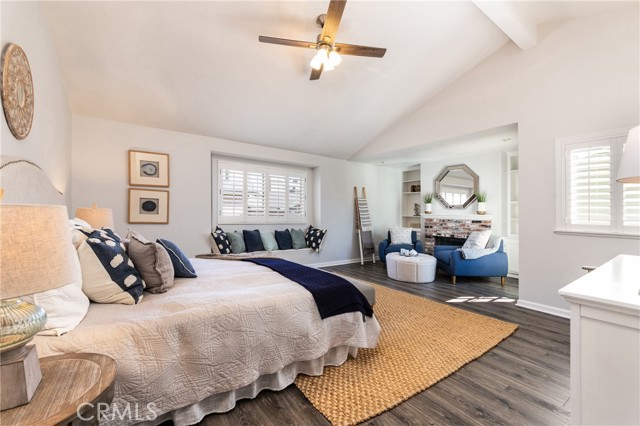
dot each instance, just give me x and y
(96, 217)
(36, 254)
(629, 170)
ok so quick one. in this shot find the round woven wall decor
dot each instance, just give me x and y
(17, 91)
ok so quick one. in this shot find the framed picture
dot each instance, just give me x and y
(148, 206)
(148, 169)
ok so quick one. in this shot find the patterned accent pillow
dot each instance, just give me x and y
(477, 239)
(314, 237)
(108, 275)
(252, 240)
(297, 238)
(401, 235)
(283, 238)
(181, 264)
(222, 241)
(152, 261)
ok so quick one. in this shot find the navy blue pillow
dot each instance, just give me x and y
(252, 240)
(284, 240)
(181, 265)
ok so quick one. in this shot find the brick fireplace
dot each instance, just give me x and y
(451, 226)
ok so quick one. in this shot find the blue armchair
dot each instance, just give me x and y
(450, 261)
(385, 247)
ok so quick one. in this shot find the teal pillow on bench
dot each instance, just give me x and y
(237, 242)
(269, 241)
(297, 237)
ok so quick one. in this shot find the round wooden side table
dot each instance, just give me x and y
(72, 386)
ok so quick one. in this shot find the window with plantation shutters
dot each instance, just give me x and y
(254, 194)
(590, 199)
(589, 185)
(231, 186)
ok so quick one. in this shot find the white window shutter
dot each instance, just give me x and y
(589, 185)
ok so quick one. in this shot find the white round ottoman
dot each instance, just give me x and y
(415, 269)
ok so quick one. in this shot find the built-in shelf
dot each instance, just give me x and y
(411, 190)
(511, 241)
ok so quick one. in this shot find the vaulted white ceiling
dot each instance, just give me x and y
(197, 67)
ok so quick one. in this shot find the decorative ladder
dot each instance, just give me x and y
(363, 226)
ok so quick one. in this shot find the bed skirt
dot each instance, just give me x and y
(279, 380)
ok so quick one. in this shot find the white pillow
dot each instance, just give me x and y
(401, 236)
(477, 239)
(65, 306)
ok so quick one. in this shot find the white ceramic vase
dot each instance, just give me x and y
(482, 207)
(427, 208)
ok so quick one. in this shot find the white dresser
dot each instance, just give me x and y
(605, 344)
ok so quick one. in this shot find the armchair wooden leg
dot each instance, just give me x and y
(453, 279)
(502, 281)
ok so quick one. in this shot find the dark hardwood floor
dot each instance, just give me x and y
(523, 381)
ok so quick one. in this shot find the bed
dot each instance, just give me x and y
(209, 341)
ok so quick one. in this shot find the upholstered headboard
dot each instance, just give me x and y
(24, 182)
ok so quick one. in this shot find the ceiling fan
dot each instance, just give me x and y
(328, 55)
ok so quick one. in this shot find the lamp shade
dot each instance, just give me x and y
(96, 217)
(36, 253)
(629, 170)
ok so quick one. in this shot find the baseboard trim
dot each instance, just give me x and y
(340, 262)
(564, 313)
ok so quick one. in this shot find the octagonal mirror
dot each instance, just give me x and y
(456, 186)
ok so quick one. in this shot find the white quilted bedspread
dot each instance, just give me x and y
(208, 335)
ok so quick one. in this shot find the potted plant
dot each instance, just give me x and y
(428, 198)
(482, 199)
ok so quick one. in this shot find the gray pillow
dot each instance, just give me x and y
(269, 241)
(152, 261)
(237, 242)
(297, 237)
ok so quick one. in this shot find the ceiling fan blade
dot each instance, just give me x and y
(355, 50)
(332, 21)
(286, 42)
(315, 73)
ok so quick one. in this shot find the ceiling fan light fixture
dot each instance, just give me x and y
(322, 58)
(335, 58)
(316, 62)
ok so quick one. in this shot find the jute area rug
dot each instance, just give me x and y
(421, 343)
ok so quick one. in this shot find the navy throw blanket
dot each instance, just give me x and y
(333, 294)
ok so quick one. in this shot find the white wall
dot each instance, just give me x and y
(582, 77)
(99, 172)
(489, 167)
(49, 142)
